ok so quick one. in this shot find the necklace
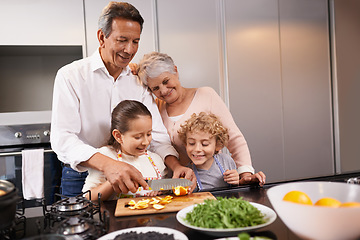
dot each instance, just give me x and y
(152, 163)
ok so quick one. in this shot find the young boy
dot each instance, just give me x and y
(204, 136)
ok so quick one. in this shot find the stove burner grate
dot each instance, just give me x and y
(83, 227)
(72, 206)
(74, 216)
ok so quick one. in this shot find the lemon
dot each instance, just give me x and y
(328, 202)
(298, 197)
(350, 204)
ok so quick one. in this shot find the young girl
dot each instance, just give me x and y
(204, 136)
(131, 127)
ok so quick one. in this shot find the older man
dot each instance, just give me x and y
(86, 91)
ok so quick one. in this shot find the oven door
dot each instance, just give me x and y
(11, 170)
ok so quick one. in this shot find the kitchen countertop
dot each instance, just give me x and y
(276, 230)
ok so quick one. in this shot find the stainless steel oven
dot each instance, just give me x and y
(14, 139)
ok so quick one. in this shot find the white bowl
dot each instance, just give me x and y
(177, 235)
(315, 222)
(269, 214)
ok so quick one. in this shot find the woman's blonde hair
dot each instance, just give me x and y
(205, 122)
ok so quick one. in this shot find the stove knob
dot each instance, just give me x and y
(18, 134)
(47, 133)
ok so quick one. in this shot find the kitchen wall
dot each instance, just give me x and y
(270, 60)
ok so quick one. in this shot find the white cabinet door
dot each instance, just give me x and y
(347, 83)
(279, 85)
(42, 22)
(255, 81)
(188, 32)
(306, 88)
(146, 8)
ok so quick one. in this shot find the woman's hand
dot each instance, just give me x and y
(231, 177)
(247, 178)
(133, 67)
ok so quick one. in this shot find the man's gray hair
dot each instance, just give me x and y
(118, 10)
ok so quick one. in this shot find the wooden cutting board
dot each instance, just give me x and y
(177, 203)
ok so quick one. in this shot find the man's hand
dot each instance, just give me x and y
(122, 176)
(247, 178)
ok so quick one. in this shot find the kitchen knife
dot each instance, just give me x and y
(168, 183)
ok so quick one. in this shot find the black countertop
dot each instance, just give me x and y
(276, 230)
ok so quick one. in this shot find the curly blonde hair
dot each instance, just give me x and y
(205, 122)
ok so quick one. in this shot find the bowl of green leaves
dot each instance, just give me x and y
(226, 216)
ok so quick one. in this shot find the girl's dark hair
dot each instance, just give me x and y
(121, 116)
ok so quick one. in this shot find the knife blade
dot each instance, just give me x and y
(168, 183)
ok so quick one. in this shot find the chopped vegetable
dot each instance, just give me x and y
(180, 190)
(158, 206)
(246, 236)
(225, 213)
(157, 203)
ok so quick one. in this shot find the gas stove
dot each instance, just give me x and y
(72, 218)
(72, 206)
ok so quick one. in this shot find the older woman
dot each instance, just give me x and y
(176, 104)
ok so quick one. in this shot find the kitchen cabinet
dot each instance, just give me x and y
(280, 85)
(268, 59)
(189, 32)
(346, 74)
(42, 22)
(255, 81)
(306, 84)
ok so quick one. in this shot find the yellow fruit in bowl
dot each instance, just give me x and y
(328, 202)
(298, 197)
(350, 204)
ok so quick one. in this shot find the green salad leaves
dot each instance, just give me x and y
(225, 213)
